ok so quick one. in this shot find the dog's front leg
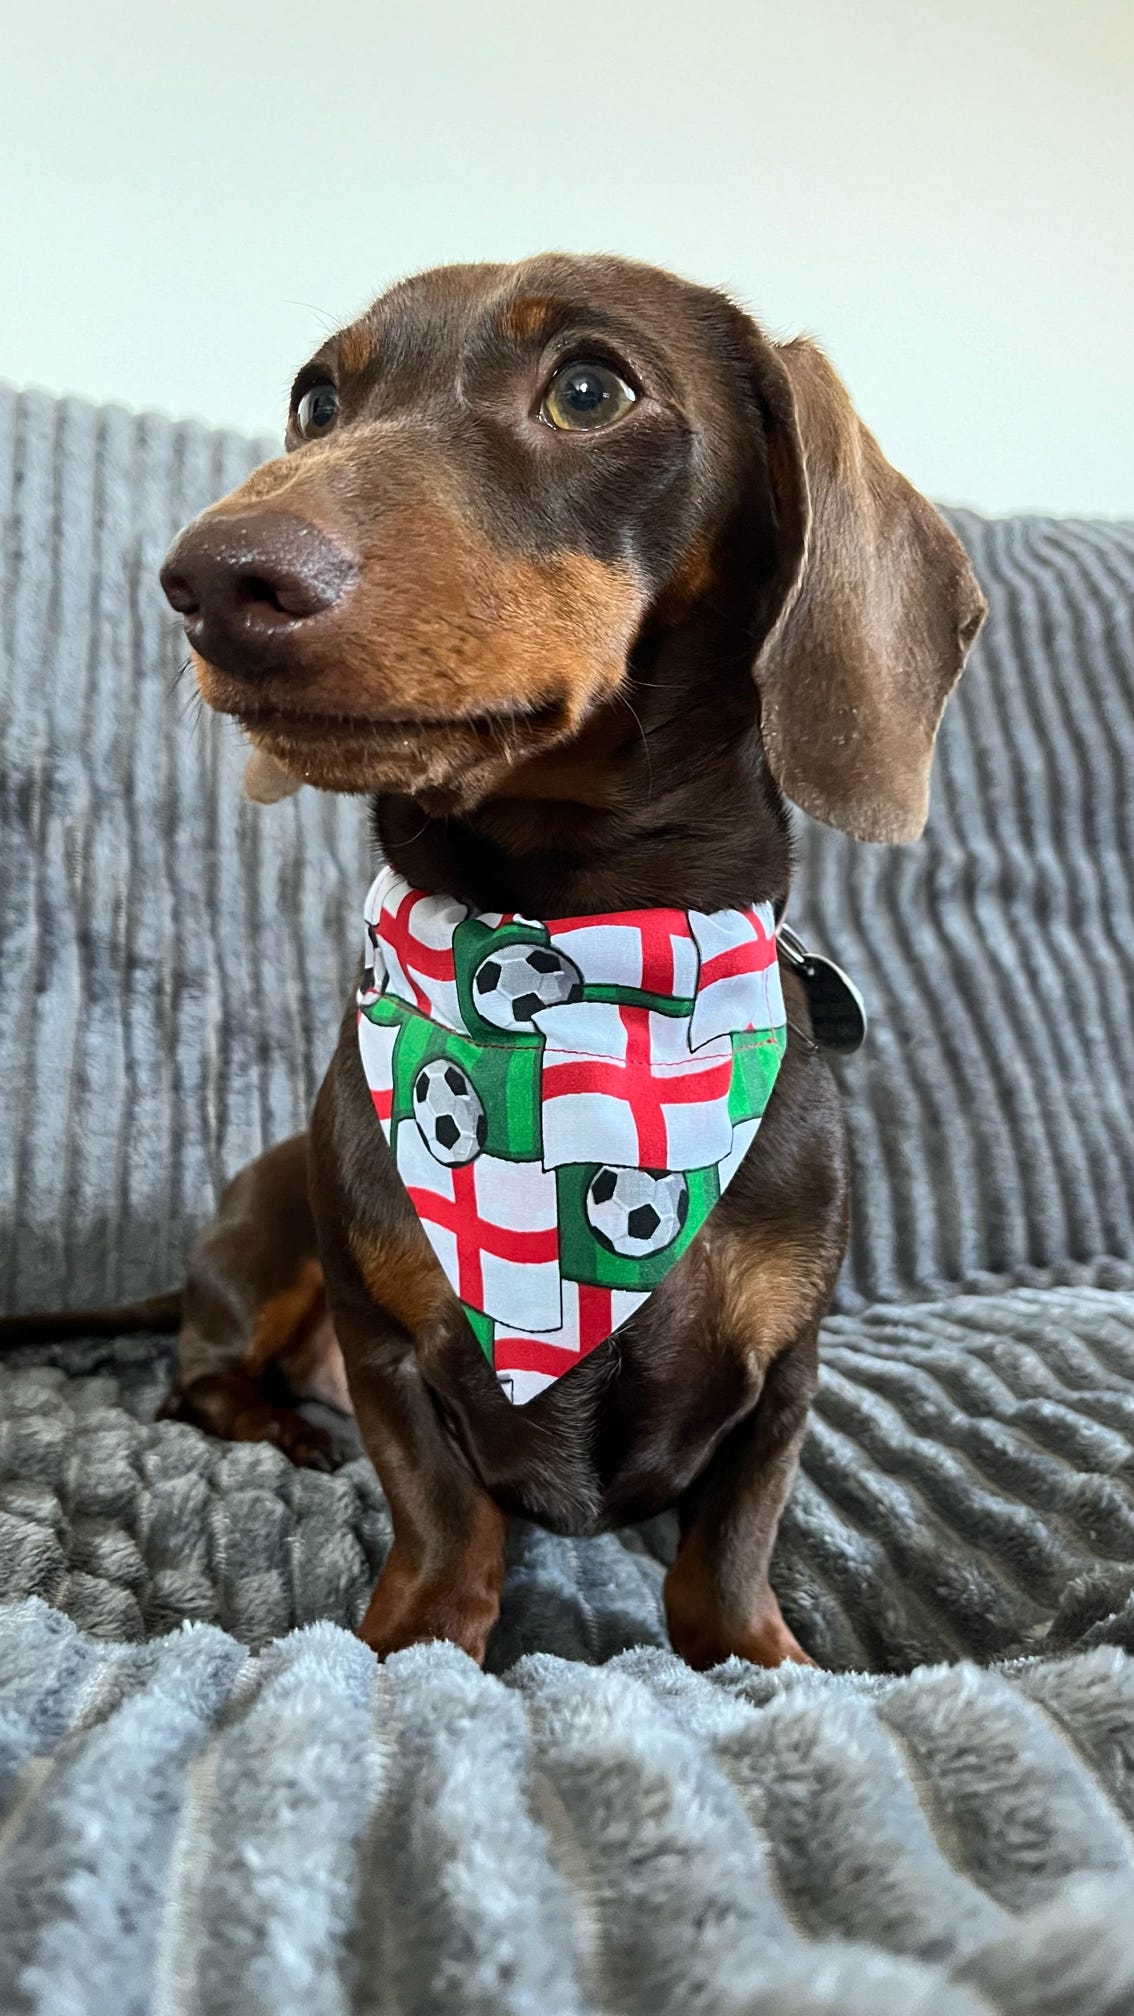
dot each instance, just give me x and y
(443, 1574)
(390, 1301)
(718, 1599)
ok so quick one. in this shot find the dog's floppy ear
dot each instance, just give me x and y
(871, 609)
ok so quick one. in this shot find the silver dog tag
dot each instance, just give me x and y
(838, 1011)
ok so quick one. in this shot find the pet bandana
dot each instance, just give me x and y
(565, 1100)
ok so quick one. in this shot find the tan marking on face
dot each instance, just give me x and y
(452, 626)
(283, 1320)
(764, 1284)
(526, 319)
(357, 348)
(403, 1276)
(692, 578)
(450, 664)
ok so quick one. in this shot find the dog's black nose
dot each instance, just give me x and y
(246, 585)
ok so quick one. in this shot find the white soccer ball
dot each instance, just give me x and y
(515, 981)
(448, 1112)
(636, 1212)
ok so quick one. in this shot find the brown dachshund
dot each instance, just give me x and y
(577, 575)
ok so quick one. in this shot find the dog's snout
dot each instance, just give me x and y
(244, 584)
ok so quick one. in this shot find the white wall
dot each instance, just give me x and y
(944, 194)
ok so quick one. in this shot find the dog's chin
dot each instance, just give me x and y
(448, 763)
(447, 766)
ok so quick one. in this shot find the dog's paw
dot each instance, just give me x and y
(305, 1445)
(704, 1638)
(232, 1409)
(398, 1617)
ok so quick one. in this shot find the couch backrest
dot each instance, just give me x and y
(992, 1110)
(174, 962)
(172, 959)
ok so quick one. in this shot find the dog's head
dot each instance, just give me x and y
(508, 488)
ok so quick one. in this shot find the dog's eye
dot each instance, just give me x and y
(585, 394)
(316, 411)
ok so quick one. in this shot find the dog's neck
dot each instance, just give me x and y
(664, 798)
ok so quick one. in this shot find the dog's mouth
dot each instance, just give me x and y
(452, 760)
(316, 725)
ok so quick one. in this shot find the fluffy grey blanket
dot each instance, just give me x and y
(196, 1830)
(231, 1814)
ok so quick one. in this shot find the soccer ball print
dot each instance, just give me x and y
(637, 1211)
(517, 981)
(449, 1113)
(565, 1099)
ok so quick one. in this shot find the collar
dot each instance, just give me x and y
(566, 1099)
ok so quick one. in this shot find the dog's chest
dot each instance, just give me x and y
(627, 1432)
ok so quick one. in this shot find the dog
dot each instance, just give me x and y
(578, 577)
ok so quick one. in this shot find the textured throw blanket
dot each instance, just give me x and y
(205, 1809)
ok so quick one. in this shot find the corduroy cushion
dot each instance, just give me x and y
(992, 1119)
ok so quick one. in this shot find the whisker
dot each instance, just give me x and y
(193, 705)
(329, 321)
(645, 744)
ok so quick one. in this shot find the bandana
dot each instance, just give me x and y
(565, 1100)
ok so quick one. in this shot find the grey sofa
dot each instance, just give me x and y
(211, 1799)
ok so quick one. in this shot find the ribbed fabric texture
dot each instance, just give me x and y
(148, 1046)
(992, 1109)
(965, 1494)
(175, 962)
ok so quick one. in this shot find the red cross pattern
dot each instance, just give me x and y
(656, 930)
(643, 1091)
(738, 983)
(753, 955)
(538, 1354)
(475, 1235)
(413, 955)
(527, 1364)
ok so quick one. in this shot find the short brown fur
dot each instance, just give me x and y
(578, 675)
(575, 675)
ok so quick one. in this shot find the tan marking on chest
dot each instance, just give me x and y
(764, 1286)
(404, 1277)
